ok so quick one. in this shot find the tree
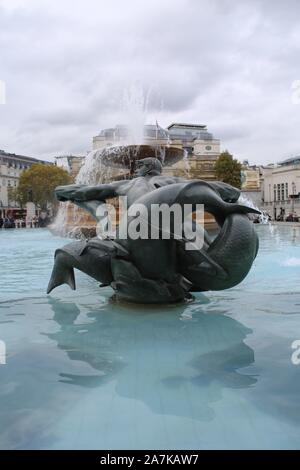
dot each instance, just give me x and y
(228, 169)
(11, 195)
(37, 184)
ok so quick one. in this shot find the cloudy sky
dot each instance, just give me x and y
(228, 64)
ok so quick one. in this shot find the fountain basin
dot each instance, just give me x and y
(84, 372)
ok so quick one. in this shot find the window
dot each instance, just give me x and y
(278, 192)
(208, 147)
(282, 191)
(274, 192)
(286, 190)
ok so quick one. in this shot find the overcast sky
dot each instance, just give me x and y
(227, 64)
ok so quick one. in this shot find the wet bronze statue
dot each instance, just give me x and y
(160, 270)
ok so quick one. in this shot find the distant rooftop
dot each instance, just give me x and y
(290, 161)
(69, 156)
(189, 132)
(187, 126)
(12, 156)
(176, 131)
(121, 131)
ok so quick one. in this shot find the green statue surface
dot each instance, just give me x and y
(160, 270)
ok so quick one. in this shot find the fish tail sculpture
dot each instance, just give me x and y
(227, 260)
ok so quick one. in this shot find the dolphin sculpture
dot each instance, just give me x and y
(161, 270)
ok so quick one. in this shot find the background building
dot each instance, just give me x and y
(251, 185)
(70, 163)
(11, 167)
(202, 149)
(281, 187)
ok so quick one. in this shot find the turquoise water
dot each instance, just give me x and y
(83, 372)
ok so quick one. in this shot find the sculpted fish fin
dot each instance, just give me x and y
(201, 261)
(89, 206)
(209, 266)
(61, 274)
(239, 208)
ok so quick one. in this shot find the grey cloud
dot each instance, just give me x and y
(224, 63)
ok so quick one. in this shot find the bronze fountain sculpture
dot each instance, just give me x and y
(147, 270)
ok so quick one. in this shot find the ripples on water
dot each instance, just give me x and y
(85, 372)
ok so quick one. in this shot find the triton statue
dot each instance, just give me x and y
(160, 270)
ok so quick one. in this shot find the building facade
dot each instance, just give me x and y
(11, 168)
(70, 163)
(251, 187)
(201, 148)
(281, 188)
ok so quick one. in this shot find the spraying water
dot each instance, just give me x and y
(96, 168)
(135, 106)
(186, 162)
(245, 201)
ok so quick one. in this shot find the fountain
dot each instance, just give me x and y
(149, 175)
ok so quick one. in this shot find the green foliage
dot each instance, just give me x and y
(228, 169)
(12, 194)
(37, 184)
